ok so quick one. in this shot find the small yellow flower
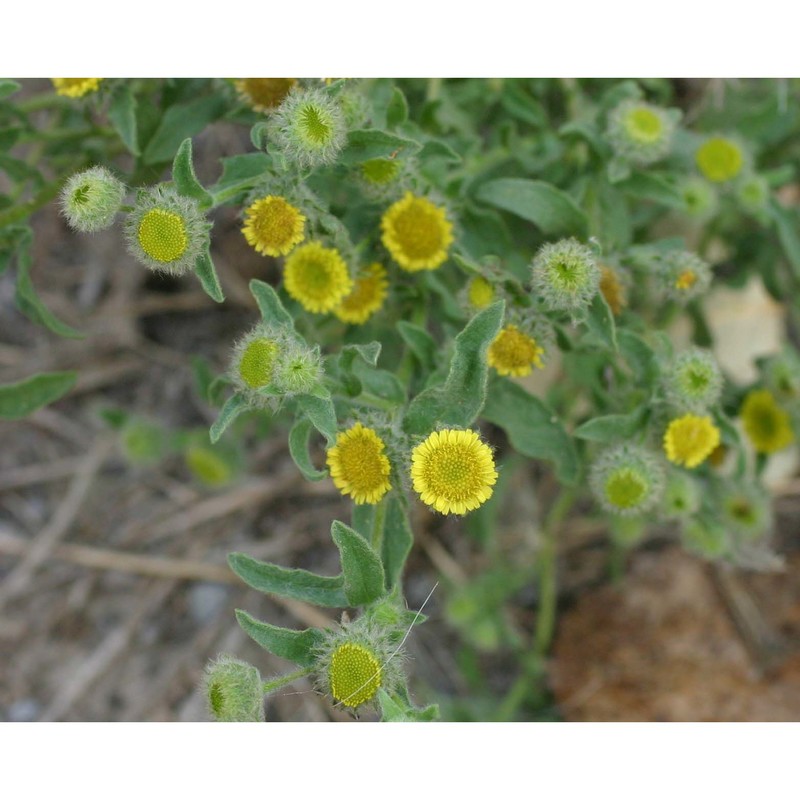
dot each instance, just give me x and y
(162, 235)
(690, 440)
(273, 227)
(686, 279)
(767, 425)
(366, 298)
(720, 159)
(358, 465)
(480, 292)
(453, 471)
(355, 675)
(613, 290)
(75, 87)
(317, 277)
(514, 353)
(264, 94)
(417, 233)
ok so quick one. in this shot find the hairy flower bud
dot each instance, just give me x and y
(233, 691)
(90, 200)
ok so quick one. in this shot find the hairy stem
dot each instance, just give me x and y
(283, 680)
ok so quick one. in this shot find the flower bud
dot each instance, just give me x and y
(640, 132)
(627, 480)
(683, 276)
(90, 200)
(566, 276)
(233, 690)
(720, 159)
(693, 380)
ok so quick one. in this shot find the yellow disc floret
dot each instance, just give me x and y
(613, 290)
(643, 124)
(417, 233)
(367, 296)
(273, 226)
(317, 277)
(162, 235)
(264, 94)
(514, 353)
(258, 362)
(453, 471)
(767, 425)
(720, 159)
(354, 675)
(690, 440)
(359, 467)
(75, 87)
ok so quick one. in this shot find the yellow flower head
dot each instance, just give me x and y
(354, 674)
(264, 94)
(453, 471)
(720, 159)
(317, 277)
(366, 298)
(514, 353)
(358, 465)
(690, 440)
(480, 292)
(417, 233)
(613, 290)
(273, 227)
(767, 425)
(75, 87)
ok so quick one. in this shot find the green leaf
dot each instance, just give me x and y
(122, 115)
(297, 584)
(20, 171)
(395, 709)
(459, 401)
(420, 342)
(547, 207)
(295, 646)
(397, 109)
(639, 355)
(239, 173)
(656, 188)
(363, 519)
(532, 428)
(600, 321)
(787, 225)
(347, 357)
(28, 301)
(363, 145)
(321, 414)
(17, 400)
(270, 305)
(612, 426)
(379, 382)
(179, 122)
(397, 539)
(8, 87)
(205, 271)
(435, 148)
(234, 406)
(364, 581)
(185, 179)
(298, 449)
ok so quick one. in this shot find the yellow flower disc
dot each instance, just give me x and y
(317, 277)
(416, 233)
(480, 292)
(358, 465)
(162, 235)
(686, 280)
(366, 298)
(613, 290)
(453, 471)
(380, 171)
(644, 125)
(625, 488)
(514, 353)
(257, 362)
(720, 159)
(767, 425)
(264, 94)
(690, 440)
(75, 87)
(355, 675)
(273, 226)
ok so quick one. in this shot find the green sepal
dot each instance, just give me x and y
(122, 115)
(420, 343)
(532, 428)
(398, 539)
(185, 179)
(613, 426)
(17, 400)
(296, 646)
(364, 145)
(459, 401)
(321, 414)
(234, 406)
(547, 207)
(362, 570)
(270, 305)
(296, 584)
(207, 274)
(298, 449)
(600, 321)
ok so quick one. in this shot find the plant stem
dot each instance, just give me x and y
(377, 527)
(283, 680)
(546, 569)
